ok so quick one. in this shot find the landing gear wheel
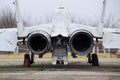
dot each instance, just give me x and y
(40, 55)
(89, 58)
(62, 62)
(73, 55)
(95, 61)
(26, 60)
(58, 62)
(32, 58)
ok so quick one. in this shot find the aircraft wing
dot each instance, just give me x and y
(8, 39)
(111, 38)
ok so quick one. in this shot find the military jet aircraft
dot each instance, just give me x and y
(59, 37)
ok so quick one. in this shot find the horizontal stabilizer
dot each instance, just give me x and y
(8, 39)
(111, 40)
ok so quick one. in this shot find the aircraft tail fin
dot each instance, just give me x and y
(20, 27)
(101, 21)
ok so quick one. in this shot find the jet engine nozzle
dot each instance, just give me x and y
(39, 42)
(81, 42)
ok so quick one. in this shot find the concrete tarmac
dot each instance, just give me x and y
(77, 69)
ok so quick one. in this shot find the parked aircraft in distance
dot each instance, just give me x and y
(59, 37)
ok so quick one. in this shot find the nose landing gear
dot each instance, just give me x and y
(93, 59)
(60, 56)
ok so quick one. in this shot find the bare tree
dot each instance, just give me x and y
(94, 22)
(39, 21)
(7, 18)
(112, 22)
(48, 18)
(72, 19)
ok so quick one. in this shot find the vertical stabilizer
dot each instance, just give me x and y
(20, 27)
(101, 21)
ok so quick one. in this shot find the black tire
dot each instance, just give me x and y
(32, 58)
(27, 56)
(58, 62)
(89, 59)
(73, 55)
(95, 61)
(62, 62)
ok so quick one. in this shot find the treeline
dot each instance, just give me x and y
(8, 20)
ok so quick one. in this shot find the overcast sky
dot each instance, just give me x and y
(86, 9)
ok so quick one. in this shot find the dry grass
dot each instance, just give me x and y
(101, 55)
(49, 55)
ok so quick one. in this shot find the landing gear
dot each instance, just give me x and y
(32, 58)
(89, 58)
(60, 50)
(57, 62)
(93, 59)
(27, 60)
(60, 62)
(73, 55)
(40, 55)
(60, 56)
